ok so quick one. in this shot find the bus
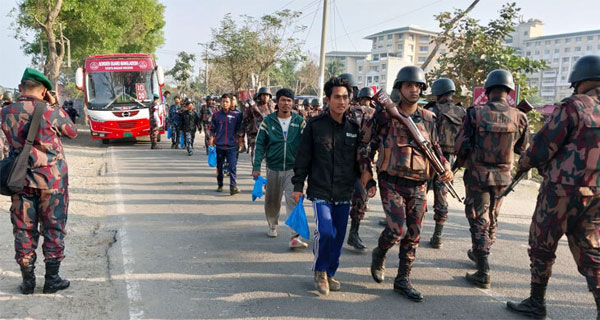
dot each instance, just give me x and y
(118, 89)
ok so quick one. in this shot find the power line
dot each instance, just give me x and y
(344, 26)
(311, 25)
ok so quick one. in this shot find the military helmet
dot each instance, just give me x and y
(348, 77)
(395, 96)
(585, 68)
(264, 90)
(499, 77)
(366, 92)
(442, 86)
(315, 103)
(411, 74)
(7, 95)
(209, 97)
(306, 102)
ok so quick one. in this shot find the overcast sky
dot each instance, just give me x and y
(189, 22)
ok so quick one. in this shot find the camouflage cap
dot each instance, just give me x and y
(34, 75)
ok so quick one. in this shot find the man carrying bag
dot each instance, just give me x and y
(44, 197)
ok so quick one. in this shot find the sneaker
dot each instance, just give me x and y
(321, 282)
(220, 189)
(233, 191)
(272, 233)
(334, 285)
(296, 243)
(190, 153)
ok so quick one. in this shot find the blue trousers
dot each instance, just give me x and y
(231, 156)
(331, 220)
(174, 134)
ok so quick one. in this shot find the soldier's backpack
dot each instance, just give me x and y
(449, 122)
(13, 169)
(495, 136)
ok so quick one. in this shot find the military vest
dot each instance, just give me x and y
(399, 155)
(449, 120)
(496, 133)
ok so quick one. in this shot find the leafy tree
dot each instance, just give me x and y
(474, 50)
(92, 26)
(334, 68)
(182, 71)
(308, 77)
(283, 74)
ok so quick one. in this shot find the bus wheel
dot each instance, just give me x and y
(105, 141)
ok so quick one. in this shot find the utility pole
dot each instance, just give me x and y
(322, 56)
(205, 45)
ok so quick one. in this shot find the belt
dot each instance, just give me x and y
(399, 181)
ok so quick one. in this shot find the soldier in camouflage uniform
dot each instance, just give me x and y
(206, 113)
(485, 146)
(45, 198)
(315, 109)
(6, 100)
(403, 172)
(362, 113)
(153, 124)
(254, 116)
(566, 151)
(449, 120)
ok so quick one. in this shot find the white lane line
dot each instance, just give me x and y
(133, 287)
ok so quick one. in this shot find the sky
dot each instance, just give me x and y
(189, 22)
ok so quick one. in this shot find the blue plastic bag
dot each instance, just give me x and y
(297, 220)
(169, 132)
(182, 140)
(212, 157)
(257, 192)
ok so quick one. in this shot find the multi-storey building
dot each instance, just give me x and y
(560, 51)
(391, 50)
(348, 59)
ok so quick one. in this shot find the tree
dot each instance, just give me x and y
(308, 77)
(334, 68)
(182, 71)
(92, 26)
(284, 74)
(474, 50)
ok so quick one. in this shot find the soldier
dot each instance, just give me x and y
(6, 100)
(485, 146)
(206, 113)
(174, 120)
(449, 120)
(255, 115)
(45, 198)
(315, 109)
(403, 172)
(566, 152)
(153, 113)
(362, 114)
(350, 78)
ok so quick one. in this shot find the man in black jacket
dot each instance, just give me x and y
(327, 156)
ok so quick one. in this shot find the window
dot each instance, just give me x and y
(567, 49)
(537, 43)
(566, 59)
(390, 36)
(411, 37)
(424, 38)
(547, 51)
(379, 47)
(526, 33)
(383, 66)
(359, 68)
(388, 46)
(563, 78)
(528, 44)
(567, 40)
(588, 48)
(375, 57)
(577, 49)
(555, 60)
(423, 48)
(410, 58)
(556, 50)
(376, 78)
(380, 38)
(360, 79)
(383, 55)
(590, 38)
(400, 46)
(375, 68)
(400, 36)
(547, 42)
(577, 39)
(422, 59)
(557, 41)
(537, 52)
(528, 53)
(411, 48)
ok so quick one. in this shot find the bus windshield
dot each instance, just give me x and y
(107, 89)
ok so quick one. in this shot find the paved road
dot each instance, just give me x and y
(184, 251)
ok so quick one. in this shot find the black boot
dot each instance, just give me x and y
(596, 293)
(233, 190)
(436, 239)
(378, 264)
(354, 239)
(535, 305)
(481, 278)
(402, 283)
(28, 275)
(53, 281)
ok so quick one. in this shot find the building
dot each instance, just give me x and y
(390, 51)
(560, 51)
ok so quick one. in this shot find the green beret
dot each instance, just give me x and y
(156, 96)
(32, 74)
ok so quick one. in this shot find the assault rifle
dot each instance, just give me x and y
(516, 179)
(384, 100)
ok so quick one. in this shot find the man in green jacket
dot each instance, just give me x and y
(277, 140)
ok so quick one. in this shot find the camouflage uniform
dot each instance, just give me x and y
(153, 125)
(206, 113)
(45, 198)
(403, 171)
(487, 141)
(253, 117)
(567, 152)
(449, 120)
(359, 200)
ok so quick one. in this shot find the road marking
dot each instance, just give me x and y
(133, 287)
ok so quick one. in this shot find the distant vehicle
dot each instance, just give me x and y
(118, 89)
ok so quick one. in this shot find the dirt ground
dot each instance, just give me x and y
(92, 294)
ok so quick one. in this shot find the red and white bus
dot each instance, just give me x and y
(118, 90)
